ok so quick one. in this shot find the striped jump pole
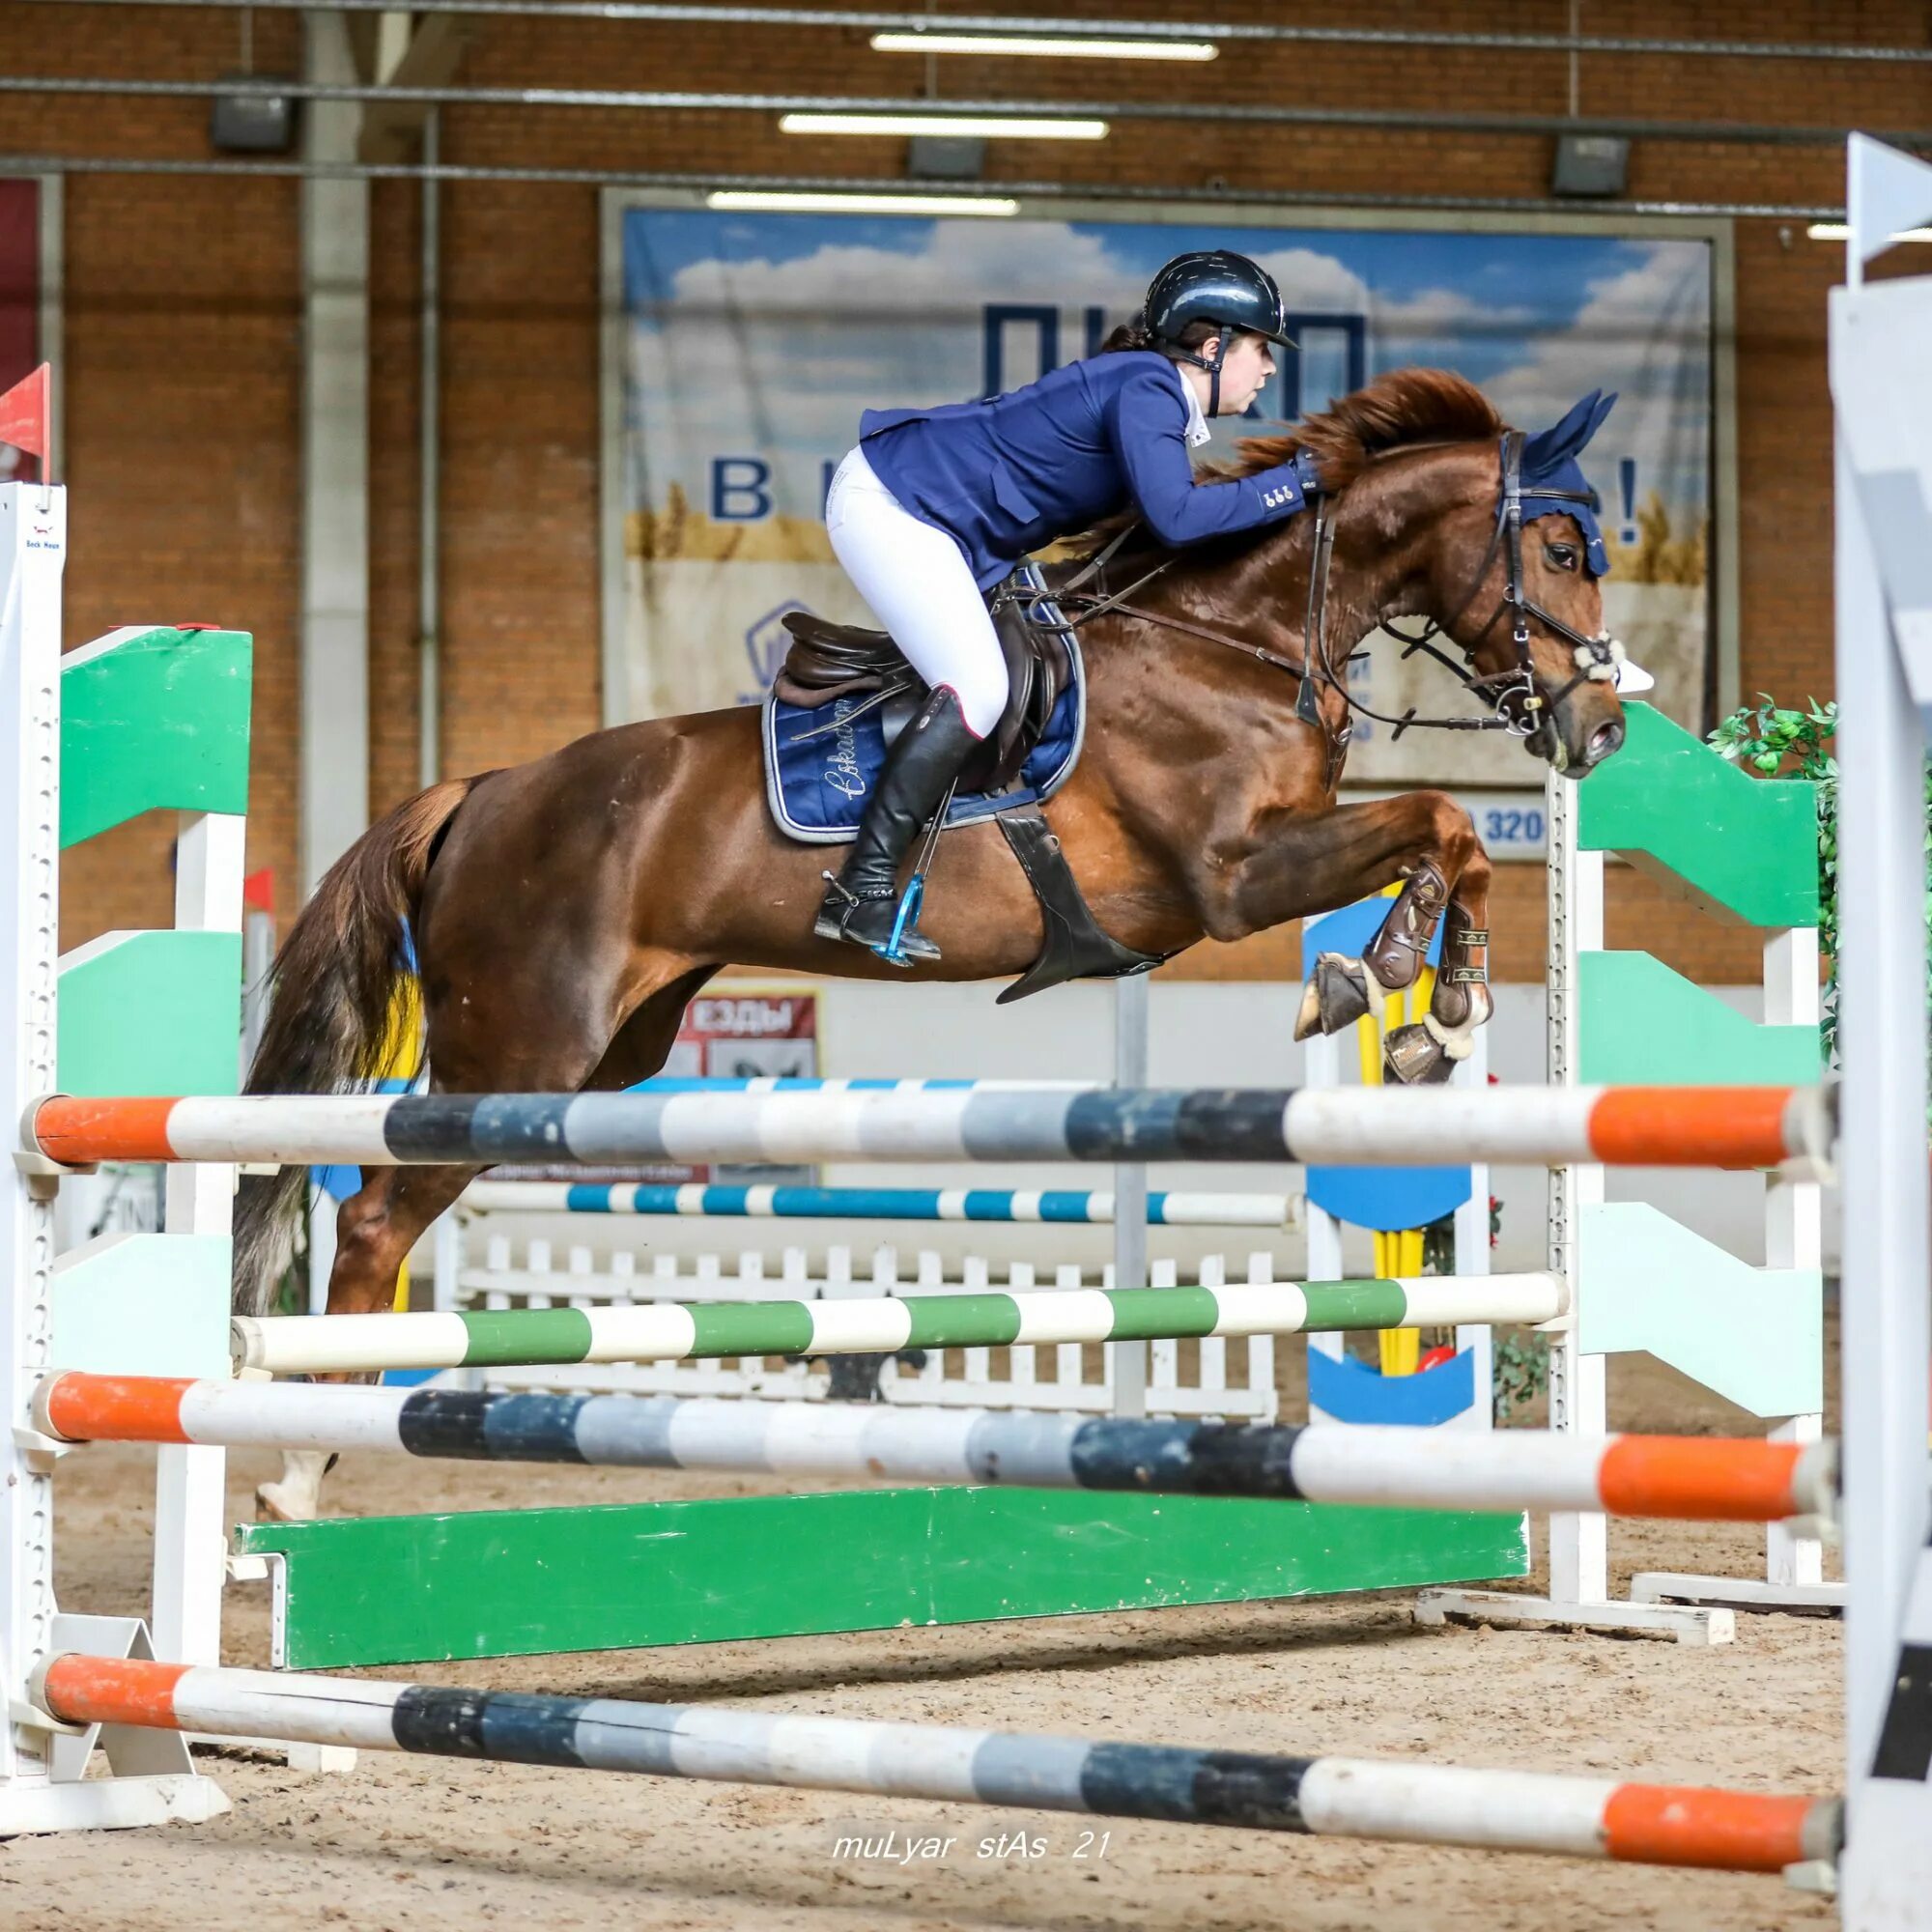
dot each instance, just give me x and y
(789, 1083)
(1696, 1479)
(875, 1325)
(1660, 1126)
(1494, 1810)
(1078, 1206)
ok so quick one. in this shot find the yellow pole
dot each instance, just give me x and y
(1398, 1252)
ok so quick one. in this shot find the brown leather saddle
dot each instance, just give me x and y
(828, 661)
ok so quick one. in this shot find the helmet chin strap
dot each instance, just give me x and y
(1212, 368)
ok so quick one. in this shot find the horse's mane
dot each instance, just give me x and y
(1404, 408)
(1407, 406)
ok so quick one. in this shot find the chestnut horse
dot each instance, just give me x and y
(563, 912)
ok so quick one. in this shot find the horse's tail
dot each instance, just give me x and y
(333, 986)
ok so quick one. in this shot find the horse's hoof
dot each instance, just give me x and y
(1414, 1057)
(285, 1502)
(295, 1496)
(1335, 997)
(854, 1377)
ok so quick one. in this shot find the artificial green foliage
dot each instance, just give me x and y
(1523, 1372)
(1778, 743)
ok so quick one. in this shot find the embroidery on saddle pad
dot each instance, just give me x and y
(817, 787)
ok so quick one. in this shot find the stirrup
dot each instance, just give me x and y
(904, 946)
(905, 925)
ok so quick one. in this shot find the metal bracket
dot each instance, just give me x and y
(1815, 1875)
(36, 1165)
(41, 1452)
(30, 1716)
(43, 1176)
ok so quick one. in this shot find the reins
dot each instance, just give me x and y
(1596, 656)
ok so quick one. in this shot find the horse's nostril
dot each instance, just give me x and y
(1604, 741)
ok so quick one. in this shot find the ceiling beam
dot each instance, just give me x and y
(870, 20)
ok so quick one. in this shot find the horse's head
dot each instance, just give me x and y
(1517, 583)
(1425, 473)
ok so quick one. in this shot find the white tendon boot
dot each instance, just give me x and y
(298, 1496)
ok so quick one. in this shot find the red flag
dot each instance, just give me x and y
(26, 416)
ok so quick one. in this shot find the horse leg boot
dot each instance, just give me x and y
(297, 1496)
(862, 904)
(1342, 990)
(1424, 1054)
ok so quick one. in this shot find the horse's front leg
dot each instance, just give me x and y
(1424, 1051)
(1316, 864)
(1444, 872)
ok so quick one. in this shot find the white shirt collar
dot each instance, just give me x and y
(1197, 432)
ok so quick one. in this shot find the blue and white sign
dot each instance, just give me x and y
(746, 346)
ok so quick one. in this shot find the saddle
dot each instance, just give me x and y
(830, 661)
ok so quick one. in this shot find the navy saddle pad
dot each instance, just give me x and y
(817, 787)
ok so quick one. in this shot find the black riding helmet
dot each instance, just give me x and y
(1219, 286)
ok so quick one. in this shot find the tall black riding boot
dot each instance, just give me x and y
(862, 903)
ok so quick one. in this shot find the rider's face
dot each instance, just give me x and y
(1249, 364)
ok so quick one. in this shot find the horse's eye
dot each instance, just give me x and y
(1562, 556)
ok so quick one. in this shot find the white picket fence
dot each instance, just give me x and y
(1230, 1379)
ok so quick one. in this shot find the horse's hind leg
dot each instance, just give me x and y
(641, 1046)
(638, 1051)
(377, 1226)
(1444, 872)
(375, 1230)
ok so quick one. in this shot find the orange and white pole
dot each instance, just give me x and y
(1002, 1120)
(1496, 1810)
(1689, 1478)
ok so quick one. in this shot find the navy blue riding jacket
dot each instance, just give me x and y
(1015, 472)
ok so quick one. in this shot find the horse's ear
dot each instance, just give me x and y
(1547, 447)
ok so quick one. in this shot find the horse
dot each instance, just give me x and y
(563, 912)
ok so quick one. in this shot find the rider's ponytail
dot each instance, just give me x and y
(1134, 335)
(1131, 334)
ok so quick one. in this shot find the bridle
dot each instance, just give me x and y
(1516, 705)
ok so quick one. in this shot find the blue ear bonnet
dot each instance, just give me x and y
(1550, 457)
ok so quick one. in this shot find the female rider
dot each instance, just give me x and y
(935, 507)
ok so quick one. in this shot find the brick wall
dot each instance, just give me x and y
(183, 342)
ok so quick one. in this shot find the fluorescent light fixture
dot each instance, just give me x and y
(804, 201)
(986, 126)
(1074, 47)
(1837, 231)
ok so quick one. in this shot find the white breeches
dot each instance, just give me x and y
(916, 579)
